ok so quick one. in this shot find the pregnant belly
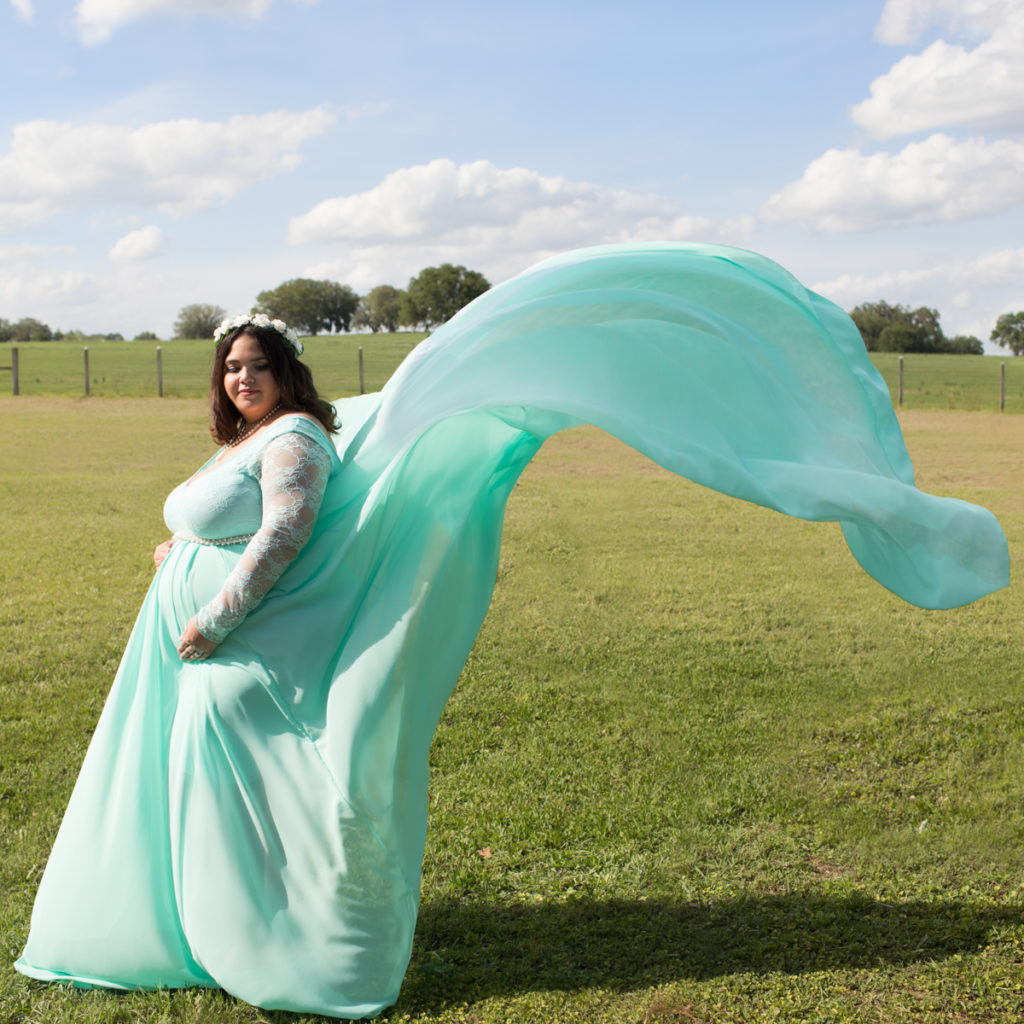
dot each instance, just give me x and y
(192, 575)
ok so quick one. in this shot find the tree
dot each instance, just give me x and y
(380, 309)
(198, 320)
(886, 328)
(898, 337)
(6, 329)
(436, 294)
(872, 318)
(1009, 332)
(310, 306)
(148, 336)
(930, 338)
(28, 328)
(340, 305)
(966, 345)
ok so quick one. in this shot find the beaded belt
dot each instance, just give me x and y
(219, 542)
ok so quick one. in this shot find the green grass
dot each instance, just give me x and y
(720, 774)
(952, 382)
(128, 369)
(123, 369)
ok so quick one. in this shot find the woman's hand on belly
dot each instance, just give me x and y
(192, 645)
(160, 552)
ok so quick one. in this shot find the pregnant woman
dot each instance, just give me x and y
(252, 809)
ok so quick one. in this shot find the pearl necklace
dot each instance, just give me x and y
(251, 428)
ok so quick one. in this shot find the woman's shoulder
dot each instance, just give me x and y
(296, 414)
(304, 425)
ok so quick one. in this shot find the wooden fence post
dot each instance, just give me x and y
(14, 368)
(362, 384)
(1002, 387)
(901, 383)
(159, 372)
(85, 351)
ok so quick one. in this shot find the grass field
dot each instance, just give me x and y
(123, 369)
(128, 369)
(970, 383)
(721, 775)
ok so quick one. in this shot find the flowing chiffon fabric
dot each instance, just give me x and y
(256, 821)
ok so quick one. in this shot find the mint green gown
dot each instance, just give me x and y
(256, 821)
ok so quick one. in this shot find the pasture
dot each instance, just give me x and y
(121, 369)
(699, 767)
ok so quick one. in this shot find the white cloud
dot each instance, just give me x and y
(138, 245)
(27, 214)
(24, 251)
(948, 84)
(970, 293)
(176, 166)
(74, 289)
(97, 19)
(24, 8)
(902, 21)
(1000, 267)
(498, 220)
(28, 292)
(939, 179)
(495, 220)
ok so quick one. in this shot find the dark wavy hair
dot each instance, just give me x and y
(298, 393)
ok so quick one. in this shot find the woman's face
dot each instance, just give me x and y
(247, 379)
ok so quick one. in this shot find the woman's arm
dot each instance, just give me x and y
(293, 475)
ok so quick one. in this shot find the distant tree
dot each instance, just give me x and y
(309, 306)
(6, 329)
(966, 345)
(30, 329)
(1009, 332)
(340, 305)
(113, 336)
(898, 337)
(436, 294)
(198, 320)
(380, 309)
(872, 318)
(887, 328)
(929, 334)
(150, 336)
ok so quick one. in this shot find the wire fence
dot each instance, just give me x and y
(352, 364)
(342, 365)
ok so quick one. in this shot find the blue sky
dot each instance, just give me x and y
(155, 153)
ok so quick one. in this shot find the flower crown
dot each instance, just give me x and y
(259, 320)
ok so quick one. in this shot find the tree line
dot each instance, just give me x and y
(28, 328)
(312, 307)
(887, 328)
(436, 294)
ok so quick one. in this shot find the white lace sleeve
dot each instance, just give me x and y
(293, 474)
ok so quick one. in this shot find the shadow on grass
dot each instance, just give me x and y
(469, 951)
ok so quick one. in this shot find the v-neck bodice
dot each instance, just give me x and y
(223, 498)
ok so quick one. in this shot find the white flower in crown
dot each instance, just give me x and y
(259, 320)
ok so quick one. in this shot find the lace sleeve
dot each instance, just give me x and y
(293, 474)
